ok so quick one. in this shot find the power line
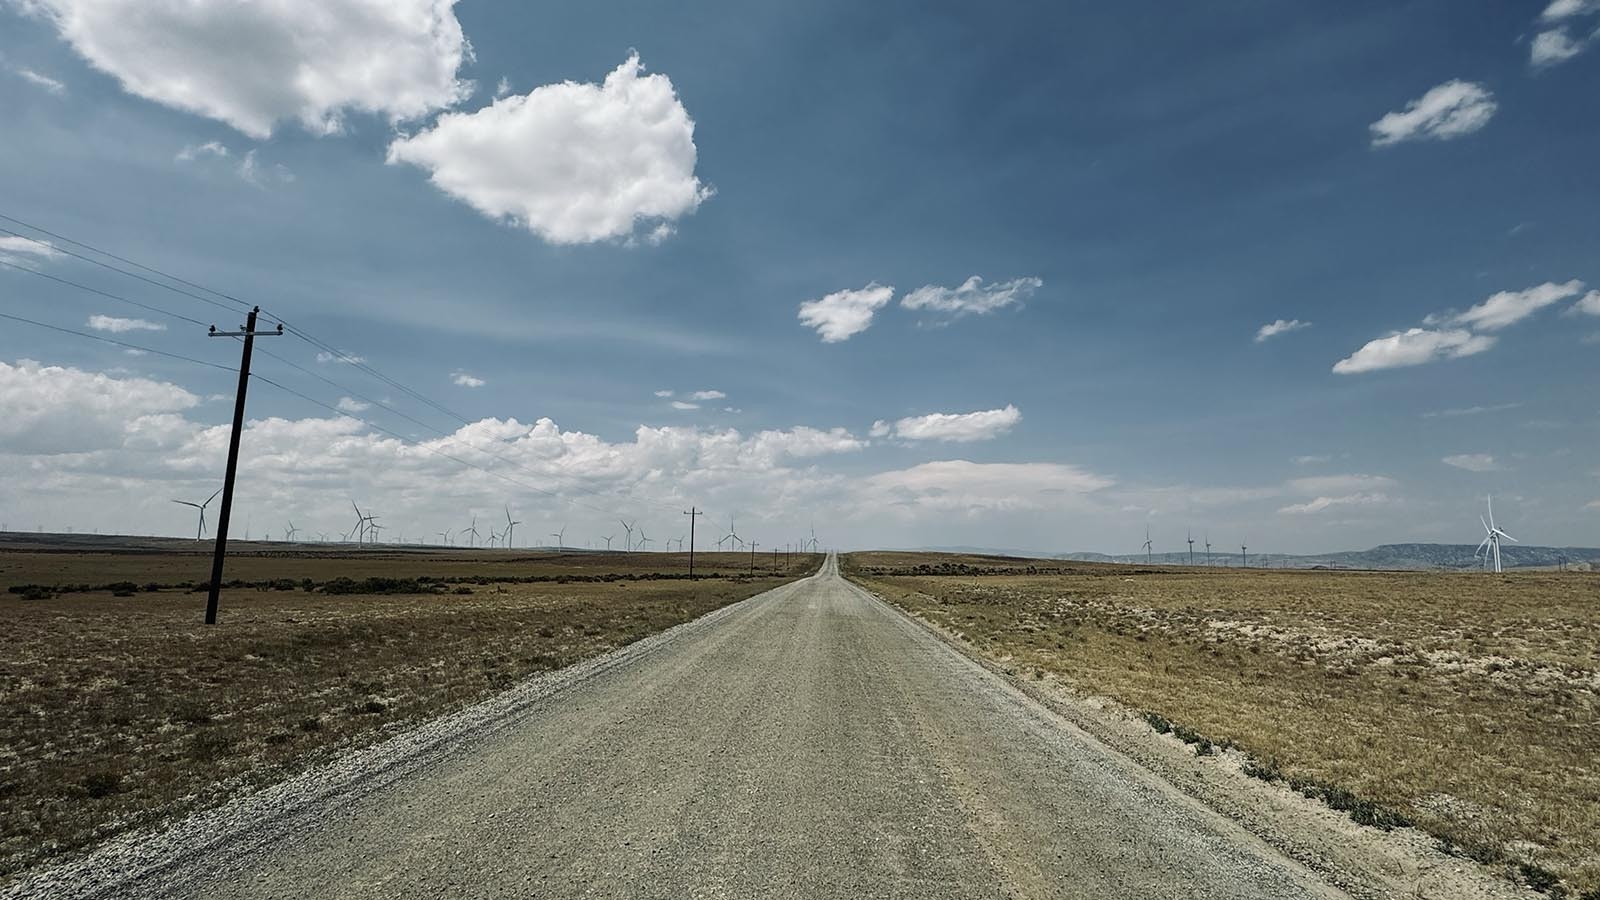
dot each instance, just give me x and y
(106, 340)
(108, 294)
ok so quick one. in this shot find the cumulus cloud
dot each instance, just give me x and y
(1554, 46)
(839, 315)
(664, 394)
(1510, 307)
(1281, 326)
(1472, 462)
(191, 152)
(953, 427)
(55, 410)
(1341, 484)
(1451, 110)
(15, 249)
(122, 326)
(1413, 348)
(325, 357)
(253, 65)
(1566, 9)
(572, 163)
(972, 297)
(462, 379)
(684, 405)
(1589, 304)
(352, 405)
(708, 395)
(1311, 460)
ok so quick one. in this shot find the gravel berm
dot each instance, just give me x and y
(807, 742)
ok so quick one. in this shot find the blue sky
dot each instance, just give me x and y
(1139, 193)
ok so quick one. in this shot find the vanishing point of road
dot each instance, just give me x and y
(808, 742)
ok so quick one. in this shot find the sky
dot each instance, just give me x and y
(1301, 276)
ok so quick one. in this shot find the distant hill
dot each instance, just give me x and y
(1385, 556)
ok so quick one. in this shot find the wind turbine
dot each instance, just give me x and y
(1490, 548)
(1147, 545)
(373, 528)
(510, 526)
(444, 536)
(1244, 556)
(473, 541)
(627, 541)
(561, 539)
(732, 535)
(360, 531)
(1208, 548)
(608, 539)
(644, 541)
(1191, 547)
(289, 534)
(200, 531)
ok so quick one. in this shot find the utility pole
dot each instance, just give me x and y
(774, 559)
(249, 335)
(752, 558)
(693, 514)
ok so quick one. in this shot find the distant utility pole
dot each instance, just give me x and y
(249, 334)
(774, 559)
(752, 558)
(693, 514)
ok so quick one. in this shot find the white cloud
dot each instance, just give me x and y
(54, 410)
(462, 379)
(839, 315)
(684, 404)
(20, 249)
(325, 357)
(503, 88)
(43, 81)
(352, 405)
(1455, 412)
(572, 163)
(1472, 462)
(1589, 304)
(261, 175)
(1566, 9)
(192, 152)
(253, 65)
(971, 488)
(1448, 111)
(1318, 504)
(120, 326)
(1592, 504)
(664, 394)
(1413, 348)
(1554, 46)
(1509, 307)
(1311, 460)
(1281, 326)
(954, 427)
(708, 395)
(972, 297)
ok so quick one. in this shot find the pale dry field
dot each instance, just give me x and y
(1463, 703)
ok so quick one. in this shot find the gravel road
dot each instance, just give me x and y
(808, 742)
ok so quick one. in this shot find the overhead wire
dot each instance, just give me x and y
(128, 345)
(334, 352)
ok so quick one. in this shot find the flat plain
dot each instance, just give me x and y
(119, 712)
(1465, 704)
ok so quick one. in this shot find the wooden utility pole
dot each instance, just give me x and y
(752, 558)
(249, 335)
(692, 514)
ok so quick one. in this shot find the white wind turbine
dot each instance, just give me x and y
(1490, 548)
(201, 530)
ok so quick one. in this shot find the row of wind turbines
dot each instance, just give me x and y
(366, 530)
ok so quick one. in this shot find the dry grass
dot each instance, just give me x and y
(116, 712)
(1465, 703)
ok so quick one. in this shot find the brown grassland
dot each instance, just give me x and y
(119, 711)
(1463, 703)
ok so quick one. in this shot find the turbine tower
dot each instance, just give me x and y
(732, 535)
(510, 526)
(201, 530)
(1191, 548)
(289, 533)
(608, 538)
(1147, 550)
(472, 530)
(1208, 548)
(561, 539)
(1244, 556)
(627, 541)
(1490, 548)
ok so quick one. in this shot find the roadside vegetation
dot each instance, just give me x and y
(1465, 704)
(118, 708)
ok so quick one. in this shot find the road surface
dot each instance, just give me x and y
(809, 742)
